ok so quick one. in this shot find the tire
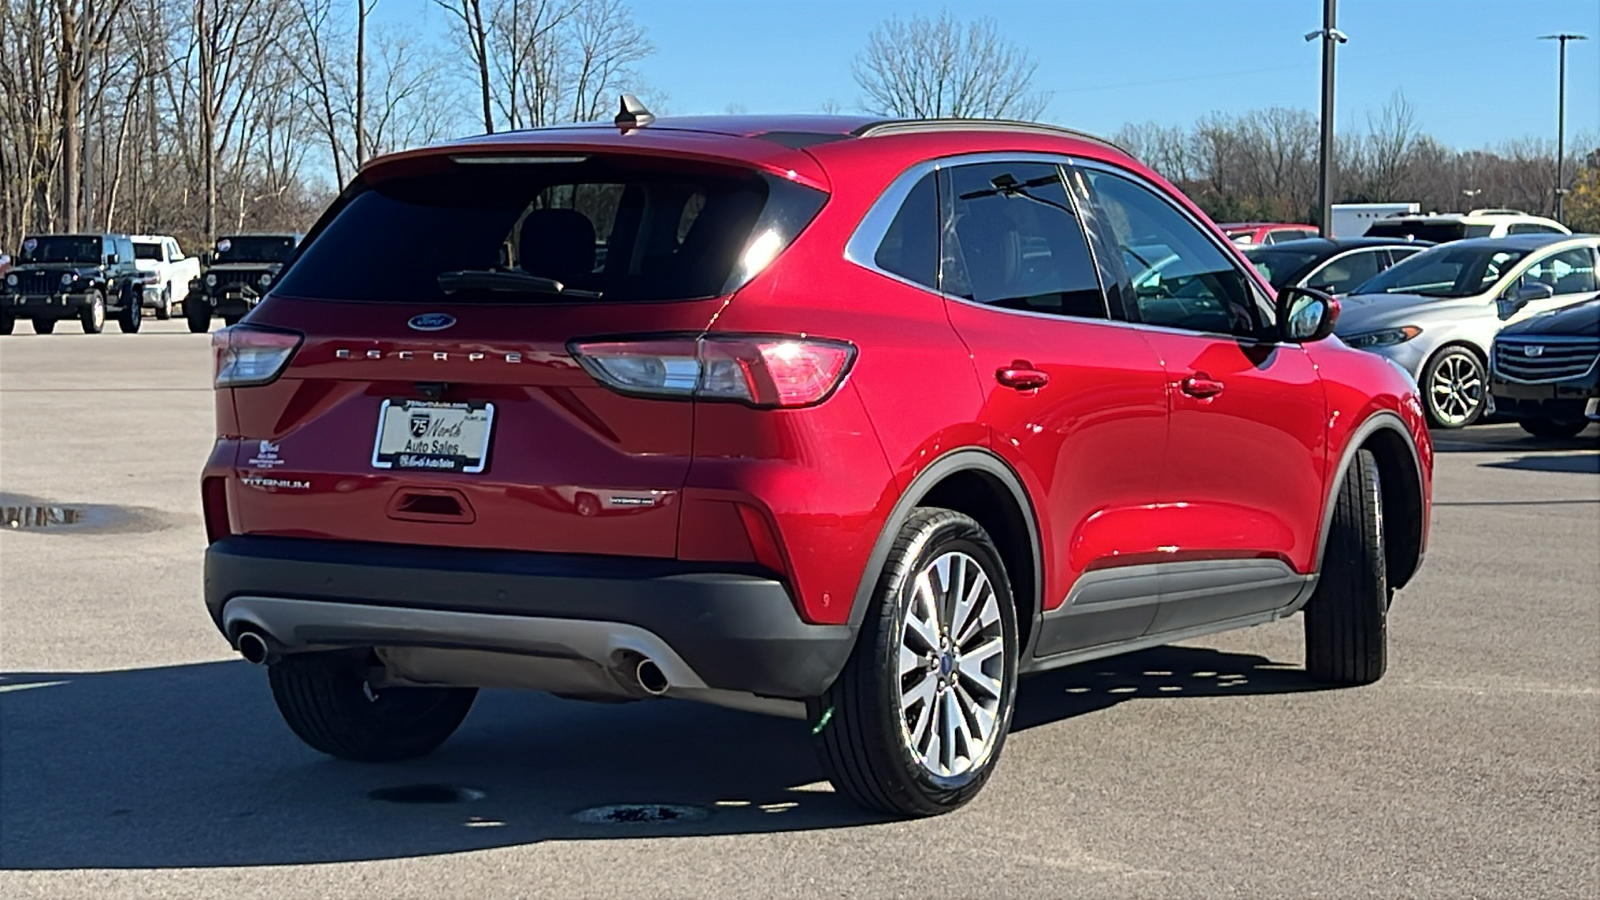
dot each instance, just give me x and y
(164, 307)
(131, 317)
(1347, 619)
(44, 326)
(885, 752)
(8, 323)
(198, 314)
(1452, 387)
(1555, 429)
(94, 315)
(326, 701)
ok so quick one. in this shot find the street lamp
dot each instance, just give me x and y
(1561, 116)
(1471, 194)
(1331, 37)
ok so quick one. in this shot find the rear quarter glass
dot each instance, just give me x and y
(623, 229)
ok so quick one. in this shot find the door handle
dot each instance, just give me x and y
(1022, 376)
(1201, 385)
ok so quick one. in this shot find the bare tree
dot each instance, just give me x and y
(941, 68)
(473, 28)
(85, 29)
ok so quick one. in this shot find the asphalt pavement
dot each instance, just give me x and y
(139, 757)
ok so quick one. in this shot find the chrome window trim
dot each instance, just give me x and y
(862, 247)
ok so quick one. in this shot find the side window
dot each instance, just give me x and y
(910, 247)
(1180, 278)
(108, 246)
(1529, 228)
(1012, 239)
(1398, 253)
(1340, 276)
(1567, 272)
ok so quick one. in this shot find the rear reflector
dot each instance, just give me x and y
(759, 370)
(248, 355)
(214, 503)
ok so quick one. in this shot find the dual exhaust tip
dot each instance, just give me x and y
(258, 650)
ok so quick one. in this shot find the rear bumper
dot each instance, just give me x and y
(718, 630)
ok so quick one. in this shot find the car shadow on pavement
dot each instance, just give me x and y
(190, 766)
(1582, 464)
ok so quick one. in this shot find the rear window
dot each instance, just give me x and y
(142, 250)
(1437, 232)
(616, 230)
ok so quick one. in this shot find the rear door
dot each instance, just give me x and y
(1077, 402)
(1241, 491)
(434, 400)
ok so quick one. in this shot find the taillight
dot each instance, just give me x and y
(760, 370)
(249, 354)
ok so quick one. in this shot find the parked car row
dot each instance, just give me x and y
(93, 277)
(1437, 313)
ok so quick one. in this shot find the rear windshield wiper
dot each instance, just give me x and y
(500, 280)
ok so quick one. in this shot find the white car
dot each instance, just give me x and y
(1480, 223)
(1436, 314)
(159, 253)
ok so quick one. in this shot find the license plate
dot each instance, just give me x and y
(433, 436)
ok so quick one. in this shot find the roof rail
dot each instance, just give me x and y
(1497, 212)
(916, 126)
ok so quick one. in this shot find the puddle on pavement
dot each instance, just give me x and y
(426, 793)
(640, 814)
(42, 516)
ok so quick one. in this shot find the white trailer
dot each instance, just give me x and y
(1352, 219)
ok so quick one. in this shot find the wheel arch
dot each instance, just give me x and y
(979, 484)
(1400, 483)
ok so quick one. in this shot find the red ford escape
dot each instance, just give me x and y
(825, 417)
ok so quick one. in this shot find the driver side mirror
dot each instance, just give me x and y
(1305, 315)
(1525, 294)
(205, 258)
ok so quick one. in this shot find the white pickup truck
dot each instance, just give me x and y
(159, 253)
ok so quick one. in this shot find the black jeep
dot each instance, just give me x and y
(235, 277)
(72, 276)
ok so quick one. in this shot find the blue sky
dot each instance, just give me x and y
(1472, 69)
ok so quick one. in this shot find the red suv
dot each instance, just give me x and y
(834, 418)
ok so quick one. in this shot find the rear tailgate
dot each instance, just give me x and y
(437, 303)
(570, 466)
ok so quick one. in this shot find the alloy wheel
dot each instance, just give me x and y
(1456, 389)
(951, 665)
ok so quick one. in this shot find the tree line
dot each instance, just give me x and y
(1262, 166)
(199, 117)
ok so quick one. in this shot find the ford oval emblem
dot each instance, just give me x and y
(432, 321)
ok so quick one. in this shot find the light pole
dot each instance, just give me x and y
(1471, 194)
(1561, 115)
(1332, 37)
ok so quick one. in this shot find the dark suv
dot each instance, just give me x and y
(73, 276)
(235, 276)
(1545, 371)
(834, 418)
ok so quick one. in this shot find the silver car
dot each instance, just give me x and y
(1436, 314)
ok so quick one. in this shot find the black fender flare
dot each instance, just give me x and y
(1379, 421)
(960, 460)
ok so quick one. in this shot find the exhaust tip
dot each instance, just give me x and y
(253, 647)
(651, 678)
